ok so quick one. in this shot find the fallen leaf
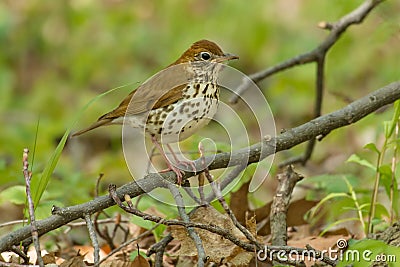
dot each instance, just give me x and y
(295, 214)
(140, 261)
(76, 261)
(217, 248)
(239, 203)
(88, 253)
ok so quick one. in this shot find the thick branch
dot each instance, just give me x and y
(287, 180)
(337, 29)
(317, 55)
(319, 126)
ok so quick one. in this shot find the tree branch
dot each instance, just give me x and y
(319, 126)
(278, 216)
(336, 30)
(317, 55)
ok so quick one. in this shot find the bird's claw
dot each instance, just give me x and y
(178, 172)
(187, 165)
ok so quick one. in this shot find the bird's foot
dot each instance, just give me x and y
(188, 165)
(178, 172)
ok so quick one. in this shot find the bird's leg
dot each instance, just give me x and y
(182, 162)
(173, 153)
(171, 167)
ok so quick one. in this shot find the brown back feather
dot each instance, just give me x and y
(157, 92)
(196, 48)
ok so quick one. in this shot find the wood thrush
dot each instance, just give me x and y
(176, 102)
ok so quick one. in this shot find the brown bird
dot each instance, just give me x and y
(176, 102)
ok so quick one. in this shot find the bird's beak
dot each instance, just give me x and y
(226, 57)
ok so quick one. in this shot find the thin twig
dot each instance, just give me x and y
(316, 55)
(158, 249)
(217, 191)
(93, 238)
(336, 30)
(127, 243)
(374, 197)
(209, 227)
(152, 154)
(201, 254)
(191, 194)
(102, 221)
(322, 125)
(96, 190)
(21, 254)
(229, 179)
(118, 225)
(280, 204)
(212, 228)
(10, 223)
(200, 178)
(31, 208)
(393, 178)
(96, 222)
(103, 233)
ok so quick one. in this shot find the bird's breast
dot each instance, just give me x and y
(183, 118)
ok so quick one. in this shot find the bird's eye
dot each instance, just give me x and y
(205, 55)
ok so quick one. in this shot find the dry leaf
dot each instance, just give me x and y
(76, 261)
(140, 261)
(216, 247)
(88, 253)
(251, 224)
(119, 260)
(239, 202)
(49, 258)
(295, 214)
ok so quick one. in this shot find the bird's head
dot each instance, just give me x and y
(204, 51)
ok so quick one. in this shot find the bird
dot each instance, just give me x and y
(174, 103)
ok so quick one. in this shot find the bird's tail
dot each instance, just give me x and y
(100, 122)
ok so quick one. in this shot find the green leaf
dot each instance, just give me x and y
(395, 204)
(14, 194)
(142, 223)
(365, 252)
(38, 187)
(365, 207)
(386, 129)
(329, 183)
(381, 211)
(135, 253)
(395, 119)
(363, 162)
(325, 199)
(386, 177)
(37, 191)
(246, 176)
(372, 147)
(385, 170)
(337, 223)
(43, 210)
(159, 232)
(147, 202)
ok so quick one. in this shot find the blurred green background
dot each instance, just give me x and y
(55, 56)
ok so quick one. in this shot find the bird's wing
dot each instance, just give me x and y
(134, 104)
(163, 89)
(154, 93)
